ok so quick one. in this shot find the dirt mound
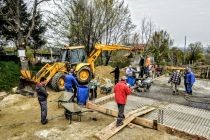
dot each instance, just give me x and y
(2, 95)
(11, 100)
(104, 72)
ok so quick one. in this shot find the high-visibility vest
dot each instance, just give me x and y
(147, 61)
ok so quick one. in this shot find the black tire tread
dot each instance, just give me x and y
(87, 81)
(55, 80)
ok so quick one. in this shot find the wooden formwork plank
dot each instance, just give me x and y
(104, 99)
(146, 123)
(111, 129)
(101, 109)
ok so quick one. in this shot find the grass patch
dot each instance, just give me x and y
(9, 75)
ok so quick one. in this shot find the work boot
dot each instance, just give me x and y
(119, 124)
(173, 93)
(45, 122)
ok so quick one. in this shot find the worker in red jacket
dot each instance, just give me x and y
(121, 91)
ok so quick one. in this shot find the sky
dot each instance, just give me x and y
(190, 18)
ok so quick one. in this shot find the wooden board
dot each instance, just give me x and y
(101, 109)
(104, 99)
(111, 129)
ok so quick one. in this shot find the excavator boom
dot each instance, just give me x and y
(101, 47)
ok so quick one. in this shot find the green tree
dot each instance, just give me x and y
(207, 55)
(159, 44)
(91, 21)
(17, 23)
(176, 56)
(194, 52)
(9, 28)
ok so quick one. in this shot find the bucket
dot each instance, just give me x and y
(82, 94)
(131, 80)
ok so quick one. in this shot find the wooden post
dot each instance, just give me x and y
(207, 74)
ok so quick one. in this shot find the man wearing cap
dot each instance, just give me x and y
(71, 84)
(121, 91)
(175, 80)
(190, 80)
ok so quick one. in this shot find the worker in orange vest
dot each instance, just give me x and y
(147, 64)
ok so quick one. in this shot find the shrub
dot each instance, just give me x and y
(120, 61)
(9, 75)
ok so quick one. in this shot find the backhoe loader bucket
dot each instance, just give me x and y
(26, 88)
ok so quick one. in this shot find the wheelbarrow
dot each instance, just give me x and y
(71, 109)
(64, 98)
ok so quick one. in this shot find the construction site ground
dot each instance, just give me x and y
(20, 117)
(161, 90)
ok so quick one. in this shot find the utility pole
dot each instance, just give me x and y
(185, 42)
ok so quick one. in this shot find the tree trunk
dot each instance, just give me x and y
(34, 53)
(108, 58)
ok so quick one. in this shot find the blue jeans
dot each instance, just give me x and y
(69, 90)
(189, 88)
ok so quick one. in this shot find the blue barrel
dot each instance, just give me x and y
(82, 94)
(131, 80)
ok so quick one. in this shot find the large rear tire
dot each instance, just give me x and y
(84, 75)
(58, 81)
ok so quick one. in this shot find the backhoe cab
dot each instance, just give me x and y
(71, 57)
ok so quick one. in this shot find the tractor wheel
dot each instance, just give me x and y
(84, 75)
(57, 82)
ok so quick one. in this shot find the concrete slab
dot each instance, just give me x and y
(192, 120)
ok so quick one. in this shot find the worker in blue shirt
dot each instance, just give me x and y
(190, 80)
(71, 84)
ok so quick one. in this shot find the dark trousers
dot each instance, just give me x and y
(189, 88)
(43, 106)
(74, 91)
(121, 116)
(185, 85)
(93, 93)
(116, 80)
(142, 72)
(146, 71)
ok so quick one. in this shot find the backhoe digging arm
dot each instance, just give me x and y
(99, 48)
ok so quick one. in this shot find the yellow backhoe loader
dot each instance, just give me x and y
(71, 57)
